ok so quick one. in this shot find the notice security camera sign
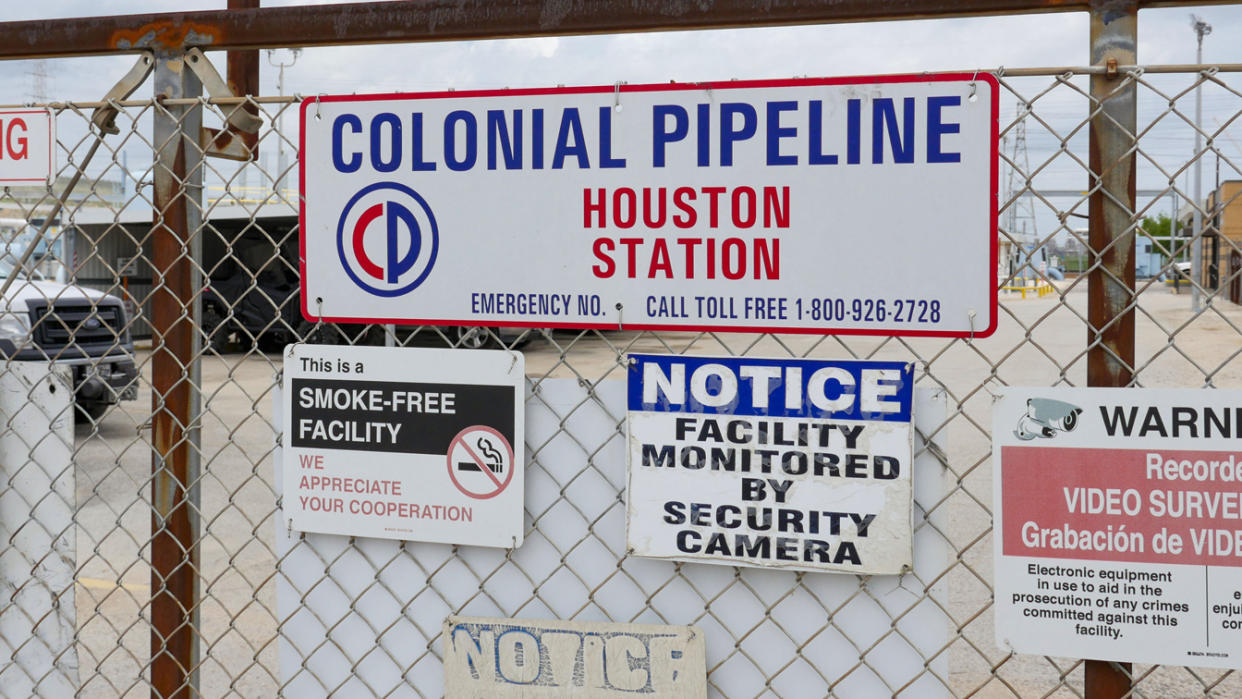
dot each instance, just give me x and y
(403, 443)
(1117, 522)
(801, 464)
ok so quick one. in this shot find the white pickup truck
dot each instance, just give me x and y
(70, 325)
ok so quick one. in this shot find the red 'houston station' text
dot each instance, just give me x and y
(686, 257)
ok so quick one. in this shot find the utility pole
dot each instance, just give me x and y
(281, 165)
(1175, 253)
(1202, 29)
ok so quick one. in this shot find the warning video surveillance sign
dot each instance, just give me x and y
(402, 443)
(1116, 524)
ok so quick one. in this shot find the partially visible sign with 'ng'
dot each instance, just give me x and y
(27, 146)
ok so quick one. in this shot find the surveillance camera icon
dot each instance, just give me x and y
(1045, 418)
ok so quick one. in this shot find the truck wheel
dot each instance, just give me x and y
(321, 333)
(520, 341)
(215, 330)
(273, 341)
(471, 337)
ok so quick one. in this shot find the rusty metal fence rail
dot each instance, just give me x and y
(233, 276)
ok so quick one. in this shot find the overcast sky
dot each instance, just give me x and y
(846, 49)
(1165, 36)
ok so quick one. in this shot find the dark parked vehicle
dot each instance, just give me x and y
(471, 337)
(245, 310)
(262, 310)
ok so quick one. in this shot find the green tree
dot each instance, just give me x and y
(1158, 227)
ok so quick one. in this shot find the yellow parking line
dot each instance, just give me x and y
(100, 584)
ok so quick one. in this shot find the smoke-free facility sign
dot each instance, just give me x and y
(801, 464)
(404, 443)
(1117, 524)
(843, 205)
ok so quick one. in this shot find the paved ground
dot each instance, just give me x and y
(1041, 341)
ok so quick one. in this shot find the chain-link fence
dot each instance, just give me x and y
(926, 633)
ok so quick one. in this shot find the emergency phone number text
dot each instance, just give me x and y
(914, 311)
(870, 310)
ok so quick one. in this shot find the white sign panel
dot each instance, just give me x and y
(535, 659)
(402, 443)
(27, 146)
(801, 464)
(329, 632)
(1116, 524)
(844, 205)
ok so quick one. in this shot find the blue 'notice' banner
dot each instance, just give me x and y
(797, 388)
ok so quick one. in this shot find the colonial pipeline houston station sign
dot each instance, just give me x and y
(852, 205)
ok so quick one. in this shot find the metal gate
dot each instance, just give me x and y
(164, 572)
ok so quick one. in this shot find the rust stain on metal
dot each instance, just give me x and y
(1110, 289)
(221, 139)
(1104, 679)
(174, 556)
(243, 67)
(1111, 10)
(244, 26)
(1110, 284)
(229, 144)
(165, 34)
(400, 21)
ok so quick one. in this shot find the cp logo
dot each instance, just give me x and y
(387, 239)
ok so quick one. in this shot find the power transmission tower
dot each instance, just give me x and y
(1020, 222)
(38, 82)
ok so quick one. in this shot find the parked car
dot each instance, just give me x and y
(73, 326)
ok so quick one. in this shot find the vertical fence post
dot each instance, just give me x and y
(175, 382)
(1110, 284)
(243, 66)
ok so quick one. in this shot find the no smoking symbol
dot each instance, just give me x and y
(480, 462)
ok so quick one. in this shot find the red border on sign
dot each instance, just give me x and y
(310, 102)
(508, 447)
(51, 146)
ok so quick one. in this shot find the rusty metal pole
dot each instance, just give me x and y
(1110, 284)
(243, 80)
(243, 70)
(243, 66)
(175, 381)
(404, 21)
